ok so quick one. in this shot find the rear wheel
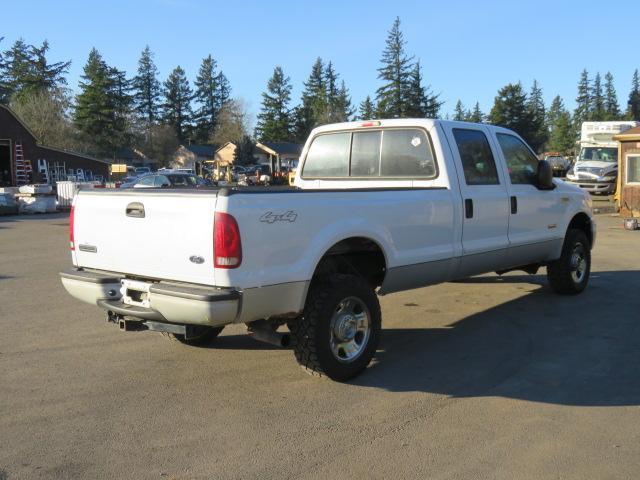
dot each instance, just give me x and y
(339, 330)
(569, 274)
(203, 336)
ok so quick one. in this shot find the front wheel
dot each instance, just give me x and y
(569, 274)
(338, 332)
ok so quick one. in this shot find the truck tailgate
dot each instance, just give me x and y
(158, 234)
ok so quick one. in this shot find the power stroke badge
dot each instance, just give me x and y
(270, 217)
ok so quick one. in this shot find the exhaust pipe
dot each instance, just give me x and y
(263, 332)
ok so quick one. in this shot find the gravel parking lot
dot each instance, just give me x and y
(493, 377)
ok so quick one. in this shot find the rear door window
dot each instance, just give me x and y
(521, 162)
(328, 156)
(406, 153)
(478, 163)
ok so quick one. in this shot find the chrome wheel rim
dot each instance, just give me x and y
(578, 263)
(350, 329)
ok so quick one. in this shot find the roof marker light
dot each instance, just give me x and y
(374, 123)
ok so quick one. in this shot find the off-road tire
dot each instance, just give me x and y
(311, 331)
(208, 335)
(559, 272)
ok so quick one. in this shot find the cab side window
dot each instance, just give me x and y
(521, 162)
(477, 159)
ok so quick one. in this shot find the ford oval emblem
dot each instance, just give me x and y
(196, 259)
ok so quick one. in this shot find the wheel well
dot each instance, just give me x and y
(582, 222)
(355, 255)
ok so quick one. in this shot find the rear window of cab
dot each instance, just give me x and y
(386, 153)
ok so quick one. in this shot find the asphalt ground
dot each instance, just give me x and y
(490, 378)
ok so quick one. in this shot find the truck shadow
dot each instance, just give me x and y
(576, 350)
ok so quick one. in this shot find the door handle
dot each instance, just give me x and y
(468, 208)
(135, 210)
(514, 205)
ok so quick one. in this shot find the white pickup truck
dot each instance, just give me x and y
(377, 207)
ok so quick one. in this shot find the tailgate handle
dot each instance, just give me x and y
(135, 210)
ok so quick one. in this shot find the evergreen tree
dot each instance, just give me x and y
(633, 104)
(45, 76)
(476, 115)
(611, 106)
(243, 154)
(367, 109)
(395, 72)
(274, 119)
(206, 94)
(536, 109)
(583, 102)
(146, 90)
(122, 101)
(177, 106)
(3, 91)
(510, 110)
(224, 90)
(459, 114)
(101, 106)
(561, 132)
(18, 63)
(597, 100)
(312, 110)
(421, 103)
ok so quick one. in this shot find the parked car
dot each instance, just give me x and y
(559, 164)
(378, 207)
(168, 179)
(142, 170)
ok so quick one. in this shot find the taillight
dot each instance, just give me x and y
(72, 243)
(227, 247)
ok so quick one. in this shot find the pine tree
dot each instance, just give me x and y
(101, 106)
(611, 106)
(206, 94)
(561, 133)
(476, 115)
(177, 106)
(18, 63)
(146, 90)
(421, 103)
(536, 109)
(3, 88)
(243, 154)
(45, 76)
(395, 72)
(583, 101)
(510, 110)
(597, 100)
(367, 109)
(224, 90)
(274, 119)
(459, 114)
(633, 104)
(312, 110)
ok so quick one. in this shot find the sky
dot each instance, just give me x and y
(468, 49)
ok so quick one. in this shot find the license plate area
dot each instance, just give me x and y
(135, 293)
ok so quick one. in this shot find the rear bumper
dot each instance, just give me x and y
(168, 302)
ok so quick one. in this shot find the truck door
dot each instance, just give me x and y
(485, 208)
(535, 222)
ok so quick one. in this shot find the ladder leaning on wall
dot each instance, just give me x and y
(23, 170)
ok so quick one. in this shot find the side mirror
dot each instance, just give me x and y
(544, 176)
